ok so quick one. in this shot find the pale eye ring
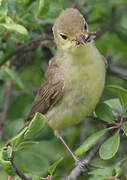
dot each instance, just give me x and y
(63, 36)
(85, 26)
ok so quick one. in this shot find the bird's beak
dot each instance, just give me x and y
(80, 39)
(84, 38)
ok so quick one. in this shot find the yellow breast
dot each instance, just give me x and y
(84, 77)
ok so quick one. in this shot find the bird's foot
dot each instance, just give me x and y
(81, 164)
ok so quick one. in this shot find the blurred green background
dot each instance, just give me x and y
(108, 18)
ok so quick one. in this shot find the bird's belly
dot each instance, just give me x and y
(82, 91)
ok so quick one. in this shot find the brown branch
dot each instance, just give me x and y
(118, 71)
(82, 167)
(32, 44)
(113, 68)
(6, 106)
(29, 46)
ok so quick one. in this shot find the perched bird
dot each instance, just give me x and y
(75, 77)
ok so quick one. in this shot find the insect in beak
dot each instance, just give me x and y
(84, 38)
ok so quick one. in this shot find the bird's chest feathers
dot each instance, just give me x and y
(84, 76)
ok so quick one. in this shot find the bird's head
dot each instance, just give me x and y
(71, 30)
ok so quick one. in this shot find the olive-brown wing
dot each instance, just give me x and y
(50, 91)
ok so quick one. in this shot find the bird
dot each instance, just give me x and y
(75, 78)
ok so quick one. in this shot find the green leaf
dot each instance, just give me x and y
(6, 164)
(31, 161)
(20, 81)
(9, 151)
(107, 172)
(15, 27)
(18, 138)
(30, 176)
(90, 141)
(124, 128)
(8, 20)
(36, 124)
(110, 147)
(114, 104)
(122, 35)
(96, 178)
(118, 2)
(6, 58)
(22, 2)
(50, 9)
(121, 93)
(104, 112)
(10, 46)
(118, 170)
(37, 178)
(26, 145)
(3, 7)
(53, 167)
(43, 7)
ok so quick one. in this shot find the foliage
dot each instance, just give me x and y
(23, 61)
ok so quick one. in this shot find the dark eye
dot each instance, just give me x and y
(63, 36)
(85, 26)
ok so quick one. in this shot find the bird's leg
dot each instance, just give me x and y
(69, 150)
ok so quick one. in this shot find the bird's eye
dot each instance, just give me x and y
(63, 36)
(85, 26)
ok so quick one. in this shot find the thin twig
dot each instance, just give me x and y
(25, 48)
(118, 71)
(29, 46)
(115, 69)
(82, 167)
(96, 166)
(6, 106)
(69, 150)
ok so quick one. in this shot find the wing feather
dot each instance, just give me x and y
(50, 91)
